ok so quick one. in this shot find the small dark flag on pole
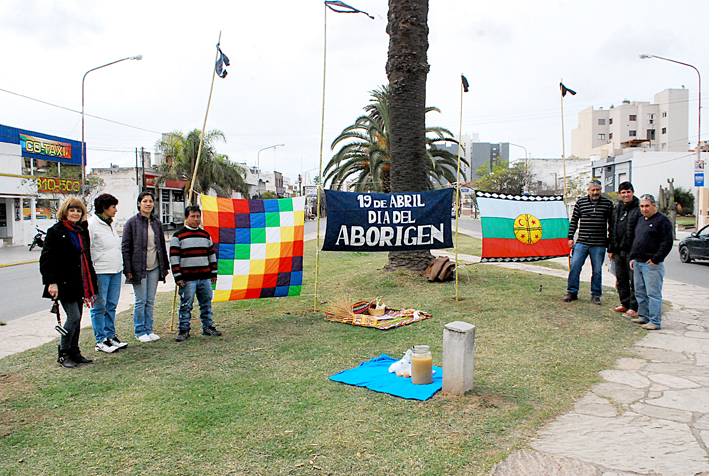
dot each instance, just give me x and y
(222, 63)
(565, 90)
(465, 83)
(341, 7)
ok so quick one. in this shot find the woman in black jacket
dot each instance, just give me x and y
(144, 264)
(68, 274)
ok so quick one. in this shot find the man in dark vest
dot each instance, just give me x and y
(625, 216)
(592, 216)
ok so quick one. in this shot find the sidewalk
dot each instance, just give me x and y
(650, 415)
(16, 255)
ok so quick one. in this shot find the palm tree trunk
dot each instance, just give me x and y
(407, 67)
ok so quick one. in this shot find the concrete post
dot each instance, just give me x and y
(458, 357)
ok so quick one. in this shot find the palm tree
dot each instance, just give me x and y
(407, 67)
(365, 157)
(215, 171)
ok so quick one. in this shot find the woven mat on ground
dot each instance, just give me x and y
(374, 375)
(392, 318)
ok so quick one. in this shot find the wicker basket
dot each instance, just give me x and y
(373, 311)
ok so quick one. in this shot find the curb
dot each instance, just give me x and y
(18, 263)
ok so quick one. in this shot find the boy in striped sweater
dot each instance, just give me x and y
(194, 267)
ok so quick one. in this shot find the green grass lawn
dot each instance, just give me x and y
(686, 220)
(258, 400)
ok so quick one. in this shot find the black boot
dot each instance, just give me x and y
(64, 360)
(76, 356)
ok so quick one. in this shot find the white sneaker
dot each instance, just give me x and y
(117, 343)
(105, 347)
(153, 336)
(144, 338)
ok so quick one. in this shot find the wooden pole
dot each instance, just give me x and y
(320, 179)
(196, 166)
(457, 186)
(204, 127)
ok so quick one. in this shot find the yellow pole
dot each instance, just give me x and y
(457, 187)
(563, 156)
(563, 143)
(204, 126)
(196, 166)
(319, 184)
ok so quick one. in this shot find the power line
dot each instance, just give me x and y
(78, 112)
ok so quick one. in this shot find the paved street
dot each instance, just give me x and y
(21, 292)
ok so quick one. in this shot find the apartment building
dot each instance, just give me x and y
(658, 126)
(477, 154)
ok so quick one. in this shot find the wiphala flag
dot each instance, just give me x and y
(259, 246)
(523, 228)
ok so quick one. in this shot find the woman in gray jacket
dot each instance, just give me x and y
(144, 264)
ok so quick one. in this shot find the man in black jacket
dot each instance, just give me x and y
(652, 244)
(592, 215)
(625, 216)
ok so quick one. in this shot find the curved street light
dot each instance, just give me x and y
(699, 119)
(83, 142)
(258, 165)
(526, 185)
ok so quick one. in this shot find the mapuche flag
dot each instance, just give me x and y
(523, 228)
(259, 246)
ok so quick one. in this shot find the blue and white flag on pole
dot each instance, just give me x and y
(222, 63)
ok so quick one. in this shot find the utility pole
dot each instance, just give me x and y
(142, 160)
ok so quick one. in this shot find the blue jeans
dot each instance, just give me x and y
(648, 291)
(581, 251)
(103, 313)
(203, 289)
(145, 302)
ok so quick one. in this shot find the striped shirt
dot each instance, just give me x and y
(592, 220)
(192, 255)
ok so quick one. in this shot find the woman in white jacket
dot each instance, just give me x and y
(108, 263)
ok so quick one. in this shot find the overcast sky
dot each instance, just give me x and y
(513, 53)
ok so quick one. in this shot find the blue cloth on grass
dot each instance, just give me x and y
(374, 374)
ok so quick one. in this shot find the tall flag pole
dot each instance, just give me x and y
(220, 63)
(564, 90)
(338, 7)
(463, 89)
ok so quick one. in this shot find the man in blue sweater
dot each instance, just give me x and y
(194, 267)
(652, 243)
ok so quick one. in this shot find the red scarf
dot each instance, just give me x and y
(75, 231)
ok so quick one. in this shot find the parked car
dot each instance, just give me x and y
(695, 246)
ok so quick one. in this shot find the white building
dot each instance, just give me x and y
(646, 170)
(658, 126)
(549, 174)
(126, 183)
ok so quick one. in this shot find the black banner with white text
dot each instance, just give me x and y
(388, 221)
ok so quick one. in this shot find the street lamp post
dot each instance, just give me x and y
(699, 118)
(83, 141)
(526, 155)
(258, 165)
